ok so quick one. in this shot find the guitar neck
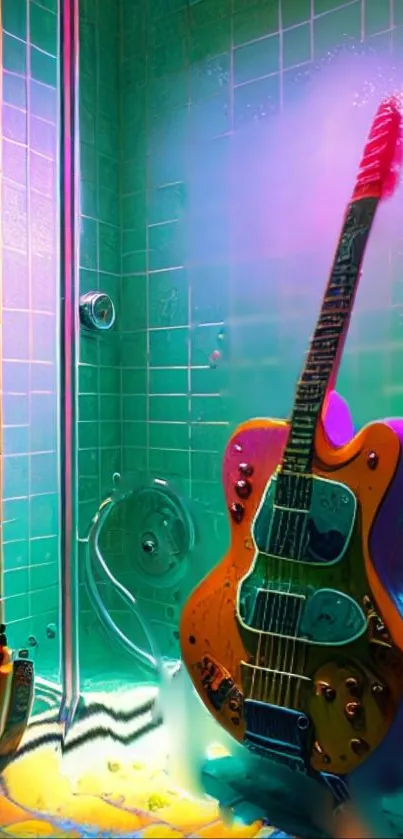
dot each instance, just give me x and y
(323, 358)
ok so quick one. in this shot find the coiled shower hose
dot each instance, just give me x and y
(153, 659)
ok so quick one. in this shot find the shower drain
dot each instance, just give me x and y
(163, 534)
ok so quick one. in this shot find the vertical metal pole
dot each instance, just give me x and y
(1, 330)
(68, 358)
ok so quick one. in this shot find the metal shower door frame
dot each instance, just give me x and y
(69, 331)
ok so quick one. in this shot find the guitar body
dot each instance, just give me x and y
(353, 682)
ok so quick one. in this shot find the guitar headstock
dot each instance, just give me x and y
(378, 173)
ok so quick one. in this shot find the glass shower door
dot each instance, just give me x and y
(31, 492)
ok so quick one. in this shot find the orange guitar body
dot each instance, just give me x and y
(213, 646)
(294, 642)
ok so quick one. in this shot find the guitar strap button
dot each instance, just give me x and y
(243, 488)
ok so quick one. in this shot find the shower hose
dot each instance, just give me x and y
(93, 555)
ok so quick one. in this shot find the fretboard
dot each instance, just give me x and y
(325, 349)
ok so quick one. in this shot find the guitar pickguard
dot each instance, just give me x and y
(327, 526)
(321, 616)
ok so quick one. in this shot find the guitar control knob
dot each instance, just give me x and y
(246, 469)
(358, 746)
(353, 686)
(372, 460)
(237, 511)
(352, 710)
(329, 693)
(318, 749)
(378, 690)
(243, 488)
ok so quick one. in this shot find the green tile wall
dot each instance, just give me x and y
(168, 88)
(99, 381)
(194, 76)
(100, 405)
(29, 330)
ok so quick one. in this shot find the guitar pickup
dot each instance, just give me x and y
(279, 732)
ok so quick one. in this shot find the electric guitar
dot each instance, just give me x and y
(293, 641)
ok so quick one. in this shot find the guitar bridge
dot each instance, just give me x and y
(282, 733)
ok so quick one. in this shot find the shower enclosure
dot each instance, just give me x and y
(142, 313)
(31, 369)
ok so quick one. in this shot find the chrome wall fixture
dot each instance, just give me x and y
(97, 311)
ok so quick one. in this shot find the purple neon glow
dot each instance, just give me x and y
(290, 179)
(338, 420)
(386, 538)
(304, 164)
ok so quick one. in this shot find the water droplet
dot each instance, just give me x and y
(214, 358)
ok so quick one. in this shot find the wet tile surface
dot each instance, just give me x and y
(95, 796)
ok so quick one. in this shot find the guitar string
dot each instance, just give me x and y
(289, 645)
(339, 319)
(303, 466)
(286, 652)
(256, 672)
(271, 631)
(267, 640)
(350, 289)
(320, 385)
(344, 288)
(286, 646)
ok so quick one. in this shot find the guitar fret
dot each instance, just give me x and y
(314, 360)
(329, 320)
(309, 390)
(323, 349)
(277, 672)
(324, 358)
(313, 389)
(315, 365)
(302, 421)
(324, 344)
(298, 463)
(286, 508)
(296, 452)
(281, 681)
(300, 439)
(301, 416)
(334, 303)
(310, 411)
(300, 434)
(334, 291)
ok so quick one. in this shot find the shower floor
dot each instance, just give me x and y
(102, 787)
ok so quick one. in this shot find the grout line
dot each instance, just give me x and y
(147, 266)
(281, 54)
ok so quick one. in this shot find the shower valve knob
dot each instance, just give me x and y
(97, 311)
